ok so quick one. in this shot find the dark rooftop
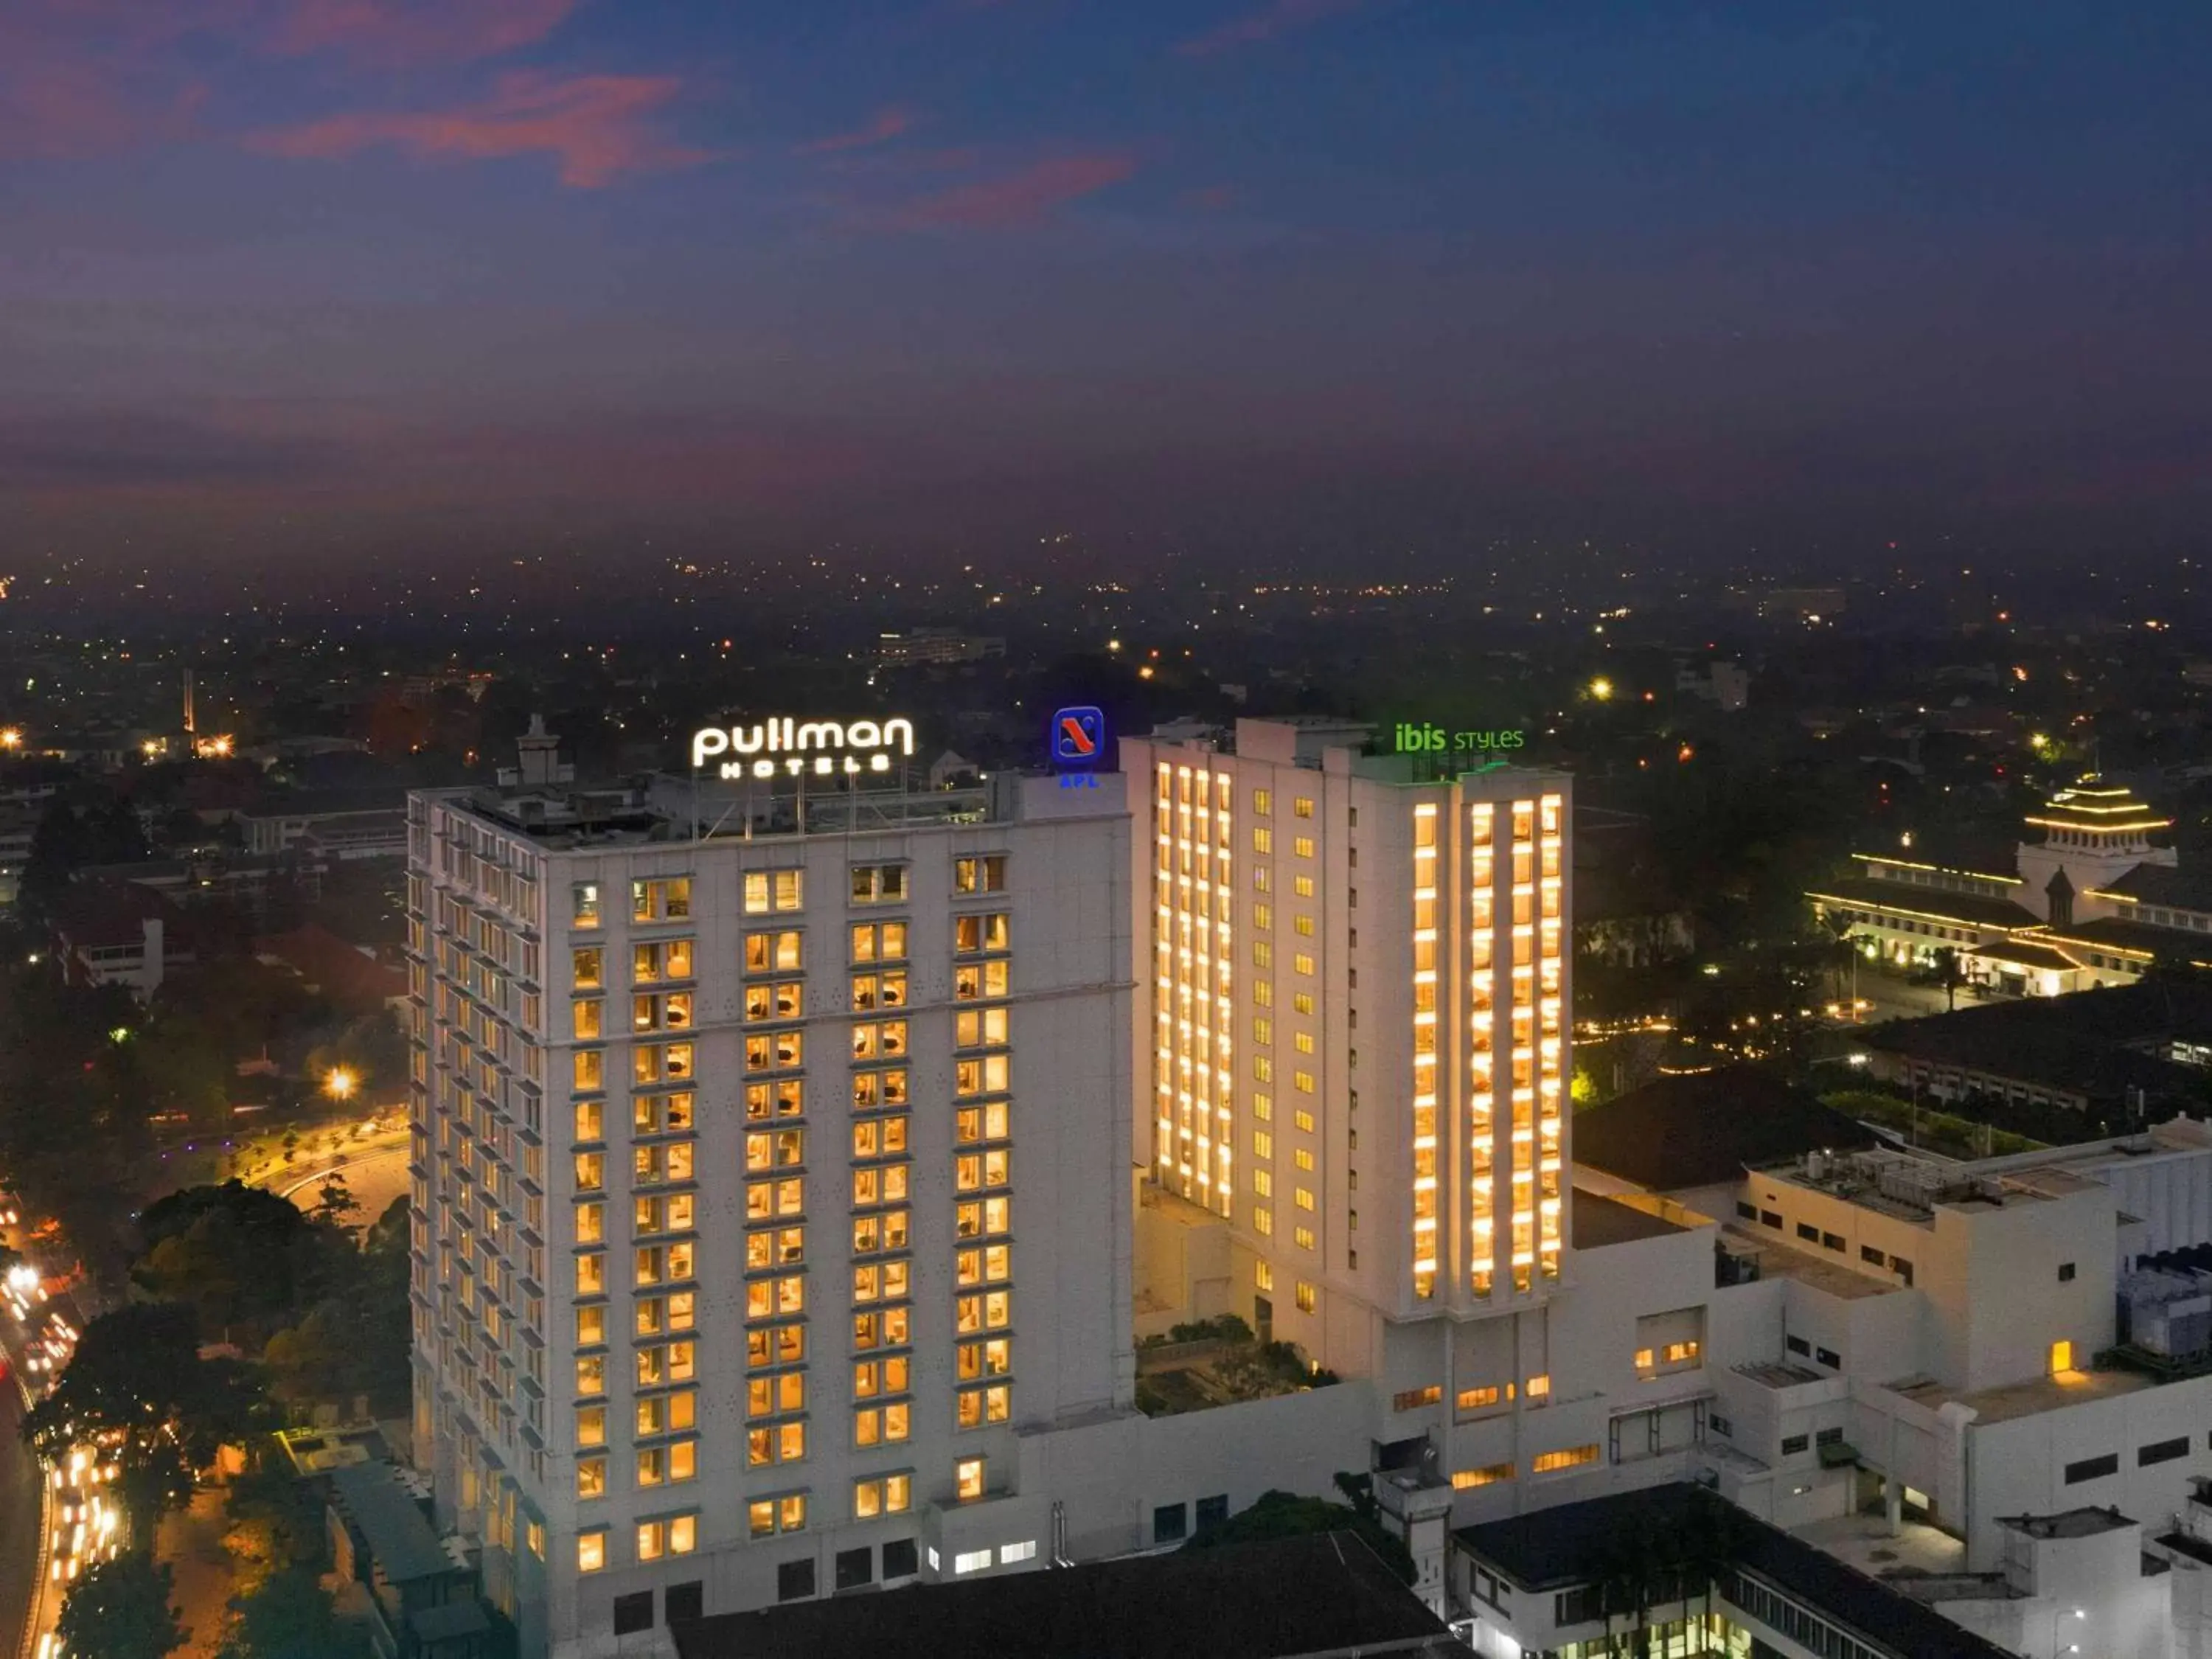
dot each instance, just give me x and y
(1282, 1599)
(1573, 1544)
(1705, 1128)
(2093, 1044)
(2161, 883)
(2145, 939)
(1599, 1221)
(390, 1522)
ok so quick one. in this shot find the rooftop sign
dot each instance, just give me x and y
(1423, 737)
(796, 747)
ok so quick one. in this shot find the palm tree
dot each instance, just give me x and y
(1944, 970)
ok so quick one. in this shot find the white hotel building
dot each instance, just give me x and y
(767, 1185)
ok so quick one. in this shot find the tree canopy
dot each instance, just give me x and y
(120, 1609)
(137, 1388)
(1286, 1515)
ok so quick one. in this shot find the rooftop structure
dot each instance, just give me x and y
(1283, 1599)
(1705, 1128)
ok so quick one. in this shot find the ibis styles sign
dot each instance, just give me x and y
(796, 748)
(1420, 737)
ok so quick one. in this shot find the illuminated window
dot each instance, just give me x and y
(980, 875)
(591, 1550)
(773, 889)
(588, 1123)
(774, 952)
(590, 1066)
(1305, 1296)
(967, 1479)
(1539, 1388)
(766, 1517)
(2062, 1356)
(1489, 1474)
(1263, 802)
(660, 901)
(1302, 846)
(1475, 1399)
(1568, 1458)
(984, 932)
(888, 1494)
(585, 910)
(1303, 962)
(977, 1407)
(592, 1476)
(1411, 1399)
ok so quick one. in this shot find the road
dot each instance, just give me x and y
(375, 1175)
(22, 1508)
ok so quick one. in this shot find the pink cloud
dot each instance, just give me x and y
(414, 32)
(887, 123)
(596, 125)
(1279, 18)
(1022, 197)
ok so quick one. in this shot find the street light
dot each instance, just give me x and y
(11, 738)
(341, 1083)
(1602, 690)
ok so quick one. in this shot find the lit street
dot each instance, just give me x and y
(374, 1175)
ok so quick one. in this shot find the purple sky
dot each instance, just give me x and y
(345, 278)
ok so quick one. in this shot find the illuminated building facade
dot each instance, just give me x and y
(760, 1207)
(1357, 1041)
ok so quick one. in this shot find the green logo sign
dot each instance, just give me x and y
(1417, 738)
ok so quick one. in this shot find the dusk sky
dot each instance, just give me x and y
(365, 276)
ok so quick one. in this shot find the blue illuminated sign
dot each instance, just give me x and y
(1078, 742)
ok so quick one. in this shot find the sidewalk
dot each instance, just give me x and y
(191, 1541)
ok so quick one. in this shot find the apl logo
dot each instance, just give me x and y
(1078, 742)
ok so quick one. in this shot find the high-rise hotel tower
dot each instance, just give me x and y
(1357, 1038)
(768, 1159)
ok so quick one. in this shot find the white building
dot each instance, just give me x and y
(794, 1179)
(767, 1187)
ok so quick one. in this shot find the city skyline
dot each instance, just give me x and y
(290, 279)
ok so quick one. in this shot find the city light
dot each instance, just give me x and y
(341, 1083)
(1602, 690)
(11, 738)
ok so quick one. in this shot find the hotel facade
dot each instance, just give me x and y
(767, 1185)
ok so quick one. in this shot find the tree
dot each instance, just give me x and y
(1286, 1515)
(138, 1386)
(290, 1616)
(1946, 971)
(245, 1258)
(334, 1201)
(120, 1609)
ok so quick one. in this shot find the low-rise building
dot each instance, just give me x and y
(2087, 898)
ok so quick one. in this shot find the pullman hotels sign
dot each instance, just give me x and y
(796, 748)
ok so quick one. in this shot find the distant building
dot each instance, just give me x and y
(2114, 1053)
(350, 977)
(115, 932)
(1726, 685)
(373, 826)
(18, 824)
(936, 645)
(2086, 900)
